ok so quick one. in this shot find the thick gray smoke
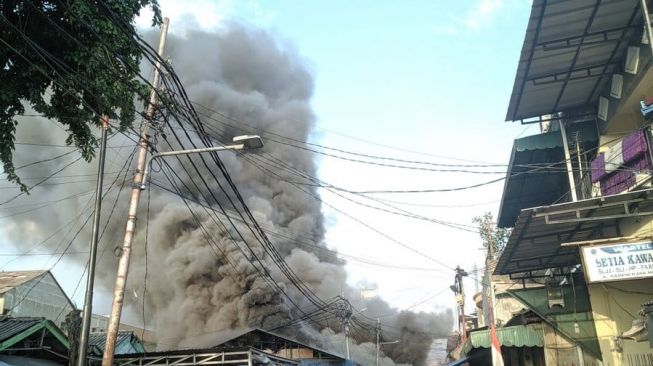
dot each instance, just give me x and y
(195, 289)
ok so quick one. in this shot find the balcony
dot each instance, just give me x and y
(624, 167)
(537, 172)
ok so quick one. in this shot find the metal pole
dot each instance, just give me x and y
(123, 265)
(488, 275)
(88, 297)
(580, 168)
(378, 345)
(647, 22)
(463, 326)
(186, 152)
(570, 171)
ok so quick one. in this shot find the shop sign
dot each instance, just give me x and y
(616, 262)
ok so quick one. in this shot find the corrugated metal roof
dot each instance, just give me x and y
(13, 331)
(534, 243)
(228, 336)
(11, 327)
(530, 335)
(99, 339)
(570, 51)
(11, 279)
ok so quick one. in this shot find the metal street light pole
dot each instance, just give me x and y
(88, 297)
(243, 142)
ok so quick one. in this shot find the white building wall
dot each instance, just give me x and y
(40, 297)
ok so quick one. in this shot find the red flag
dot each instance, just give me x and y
(497, 359)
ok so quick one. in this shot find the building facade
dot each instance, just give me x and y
(578, 196)
(33, 294)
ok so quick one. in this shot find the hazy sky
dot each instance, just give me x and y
(433, 77)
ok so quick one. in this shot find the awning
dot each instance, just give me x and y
(570, 51)
(537, 171)
(534, 243)
(530, 335)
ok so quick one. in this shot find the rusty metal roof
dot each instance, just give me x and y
(12, 279)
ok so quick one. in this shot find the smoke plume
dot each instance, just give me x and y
(195, 290)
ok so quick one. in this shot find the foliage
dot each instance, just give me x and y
(72, 325)
(71, 60)
(489, 233)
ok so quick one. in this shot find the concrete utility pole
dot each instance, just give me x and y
(344, 311)
(378, 335)
(460, 298)
(123, 265)
(88, 297)
(378, 340)
(488, 275)
(347, 338)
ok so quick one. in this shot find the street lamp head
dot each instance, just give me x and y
(249, 142)
(391, 342)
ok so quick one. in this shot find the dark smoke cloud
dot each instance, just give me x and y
(195, 290)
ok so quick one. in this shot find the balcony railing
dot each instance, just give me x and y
(625, 166)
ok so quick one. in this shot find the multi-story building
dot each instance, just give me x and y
(578, 195)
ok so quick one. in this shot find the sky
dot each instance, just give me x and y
(433, 77)
(415, 80)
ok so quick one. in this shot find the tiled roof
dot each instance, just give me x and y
(11, 279)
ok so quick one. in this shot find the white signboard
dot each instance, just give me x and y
(616, 262)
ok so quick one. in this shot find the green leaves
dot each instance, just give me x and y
(489, 233)
(71, 60)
